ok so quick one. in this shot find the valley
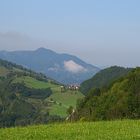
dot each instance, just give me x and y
(104, 104)
(70, 70)
(40, 95)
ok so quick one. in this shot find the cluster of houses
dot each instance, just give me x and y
(74, 87)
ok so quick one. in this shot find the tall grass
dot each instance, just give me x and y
(110, 130)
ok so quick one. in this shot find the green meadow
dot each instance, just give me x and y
(104, 130)
(61, 100)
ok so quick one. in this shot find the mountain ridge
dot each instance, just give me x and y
(62, 67)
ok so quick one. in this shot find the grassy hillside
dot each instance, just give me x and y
(103, 78)
(34, 83)
(61, 101)
(37, 95)
(113, 130)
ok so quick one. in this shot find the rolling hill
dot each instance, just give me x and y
(103, 78)
(27, 97)
(64, 68)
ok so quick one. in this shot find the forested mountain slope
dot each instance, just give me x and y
(120, 100)
(103, 78)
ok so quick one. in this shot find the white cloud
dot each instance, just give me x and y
(73, 67)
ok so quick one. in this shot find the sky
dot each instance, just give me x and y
(101, 32)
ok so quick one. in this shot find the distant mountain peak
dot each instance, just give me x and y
(65, 68)
(44, 50)
(41, 49)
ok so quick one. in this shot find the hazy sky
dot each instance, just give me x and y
(101, 32)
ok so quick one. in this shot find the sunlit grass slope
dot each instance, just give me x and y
(62, 100)
(113, 130)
